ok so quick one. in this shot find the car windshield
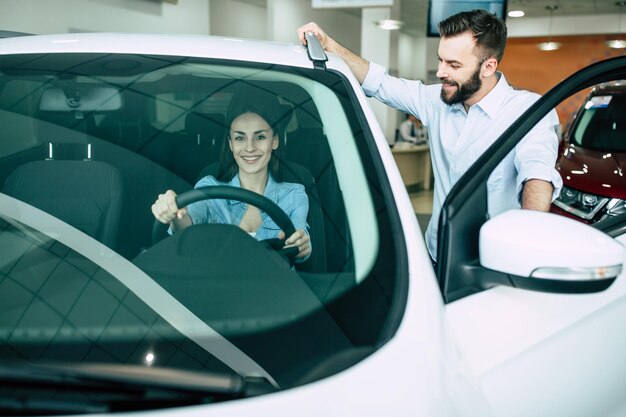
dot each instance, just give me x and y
(601, 125)
(89, 141)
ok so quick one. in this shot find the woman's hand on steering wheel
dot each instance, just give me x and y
(299, 239)
(166, 211)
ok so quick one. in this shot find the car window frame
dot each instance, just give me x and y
(399, 297)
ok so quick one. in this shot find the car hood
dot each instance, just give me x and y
(35, 222)
(597, 172)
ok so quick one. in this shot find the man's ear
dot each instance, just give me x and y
(489, 67)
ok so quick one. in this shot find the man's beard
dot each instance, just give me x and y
(465, 90)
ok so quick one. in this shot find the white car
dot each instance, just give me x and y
(101, 311)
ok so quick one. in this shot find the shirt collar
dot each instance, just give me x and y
(271, 188)
(492, 102)
(457, 107)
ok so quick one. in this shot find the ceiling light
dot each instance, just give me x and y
(549, 45)
(389, 24)
(618, 43)
(516, 13)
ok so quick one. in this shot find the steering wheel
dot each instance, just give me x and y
(282, 220)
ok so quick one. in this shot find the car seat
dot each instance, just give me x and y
(83, 193)
(200, 143)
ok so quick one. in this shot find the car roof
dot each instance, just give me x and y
(202, 46)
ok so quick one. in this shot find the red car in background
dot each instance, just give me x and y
(592, 160)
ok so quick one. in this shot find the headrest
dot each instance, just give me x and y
(286, 113)
(204, 123)
(68, 152)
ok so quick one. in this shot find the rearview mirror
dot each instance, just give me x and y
(547, 252)
(80, 98)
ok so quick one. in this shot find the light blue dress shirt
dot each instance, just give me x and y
(458, 138)
(290, 197)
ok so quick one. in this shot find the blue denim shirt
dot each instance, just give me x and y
(288, 196)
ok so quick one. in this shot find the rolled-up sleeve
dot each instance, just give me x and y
(536, 154)
(373, 79)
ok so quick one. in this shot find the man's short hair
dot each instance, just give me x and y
(488, 30)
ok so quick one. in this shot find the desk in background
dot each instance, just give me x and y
(414, 164)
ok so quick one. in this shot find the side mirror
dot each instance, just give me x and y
(547, 252)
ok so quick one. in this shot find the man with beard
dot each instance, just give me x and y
(466, 113)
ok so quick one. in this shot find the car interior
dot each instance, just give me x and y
(152, 158)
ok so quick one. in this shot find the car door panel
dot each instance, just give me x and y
(533, 351)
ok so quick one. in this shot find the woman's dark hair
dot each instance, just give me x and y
(488, 30)
(267, 107)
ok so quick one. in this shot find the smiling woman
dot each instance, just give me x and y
(252, 137)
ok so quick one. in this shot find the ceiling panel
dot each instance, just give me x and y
(413, 12)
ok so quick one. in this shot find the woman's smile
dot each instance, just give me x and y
(251, 158)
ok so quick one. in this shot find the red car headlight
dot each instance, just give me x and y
(581, 204)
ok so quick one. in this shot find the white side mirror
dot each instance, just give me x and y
(548, 252)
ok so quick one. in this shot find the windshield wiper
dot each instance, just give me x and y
(80, 388)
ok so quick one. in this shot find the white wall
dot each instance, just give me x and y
(237, 19)
(411, 57)
(62, 16)
(286, 16)
(376, 45)
(412, 62)
(280, 20)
